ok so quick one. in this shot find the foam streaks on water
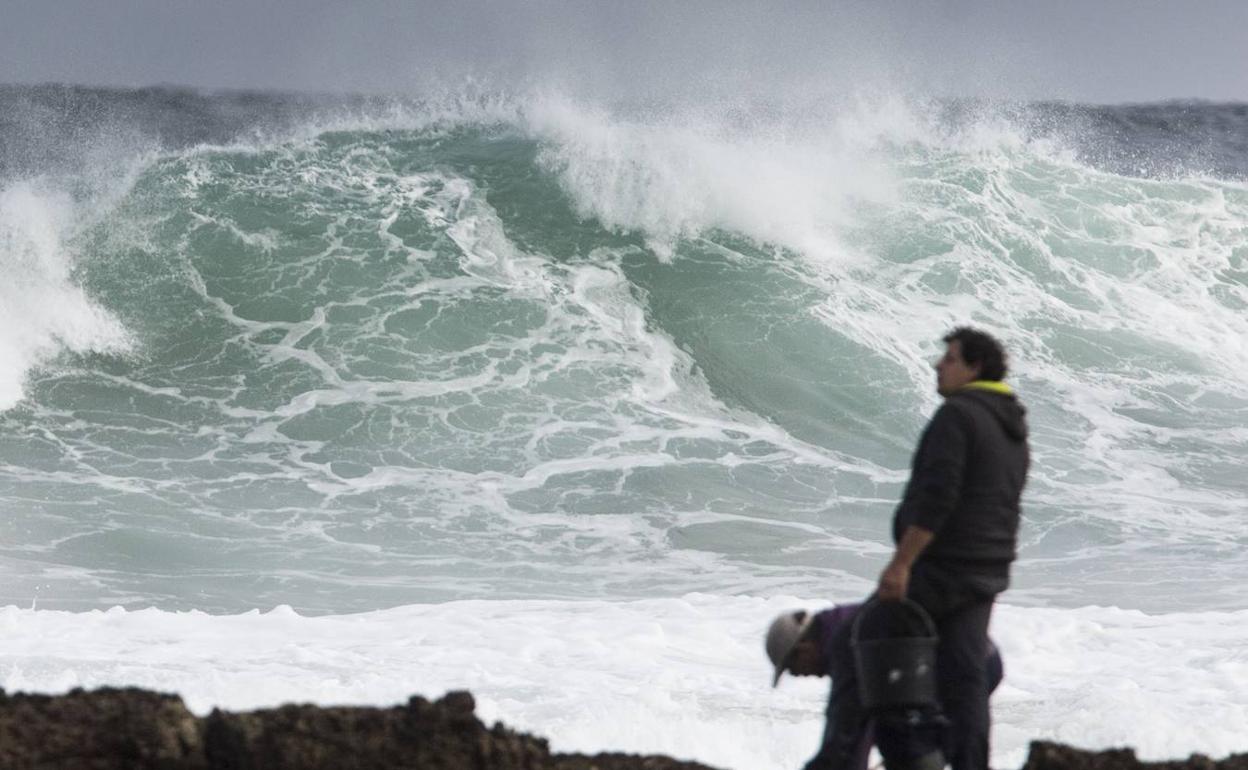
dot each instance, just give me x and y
(544, 349)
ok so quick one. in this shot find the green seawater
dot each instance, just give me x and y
(373, 367)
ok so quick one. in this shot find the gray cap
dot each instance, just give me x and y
(785, 632)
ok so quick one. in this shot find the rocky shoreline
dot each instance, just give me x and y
(141, 730)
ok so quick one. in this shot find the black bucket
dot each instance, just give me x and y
(895, 670)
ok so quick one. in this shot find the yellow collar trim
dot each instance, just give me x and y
(992, 386)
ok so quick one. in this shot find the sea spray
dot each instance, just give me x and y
(42, 311)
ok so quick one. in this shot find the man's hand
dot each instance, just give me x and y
(894, 582)
(895, 579)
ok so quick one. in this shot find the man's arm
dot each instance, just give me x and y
(895, 579)
(936, 480)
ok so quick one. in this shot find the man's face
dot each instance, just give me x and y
(952, 370)
(806, 659)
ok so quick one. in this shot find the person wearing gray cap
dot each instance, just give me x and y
(802, 643)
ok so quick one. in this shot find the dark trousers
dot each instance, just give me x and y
(963, 684)
(962, 680)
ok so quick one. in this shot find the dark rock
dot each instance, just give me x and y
(1044, 755)
(444, 734)
(131, 729)
(138, 730)
(619, 762)
(108, 728)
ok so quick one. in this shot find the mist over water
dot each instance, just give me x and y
(349, 354)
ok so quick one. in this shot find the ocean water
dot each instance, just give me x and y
(342, 399)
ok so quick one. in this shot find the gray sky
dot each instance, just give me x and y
(1109, 51)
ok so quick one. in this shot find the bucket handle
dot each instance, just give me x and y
(907, 602)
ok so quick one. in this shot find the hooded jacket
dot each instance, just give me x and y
(966, 479)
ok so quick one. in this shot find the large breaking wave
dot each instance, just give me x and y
(538, 348)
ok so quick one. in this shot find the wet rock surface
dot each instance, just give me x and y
(142, 730)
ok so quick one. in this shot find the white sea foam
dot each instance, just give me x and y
(683, 676)
(42, 310)
(681, 175)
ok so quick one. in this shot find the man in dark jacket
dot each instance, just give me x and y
(956, 528)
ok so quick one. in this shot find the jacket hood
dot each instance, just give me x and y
(999, 400)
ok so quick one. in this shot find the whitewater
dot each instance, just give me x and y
(560, 402)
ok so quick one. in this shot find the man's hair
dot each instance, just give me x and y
(980, 349)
